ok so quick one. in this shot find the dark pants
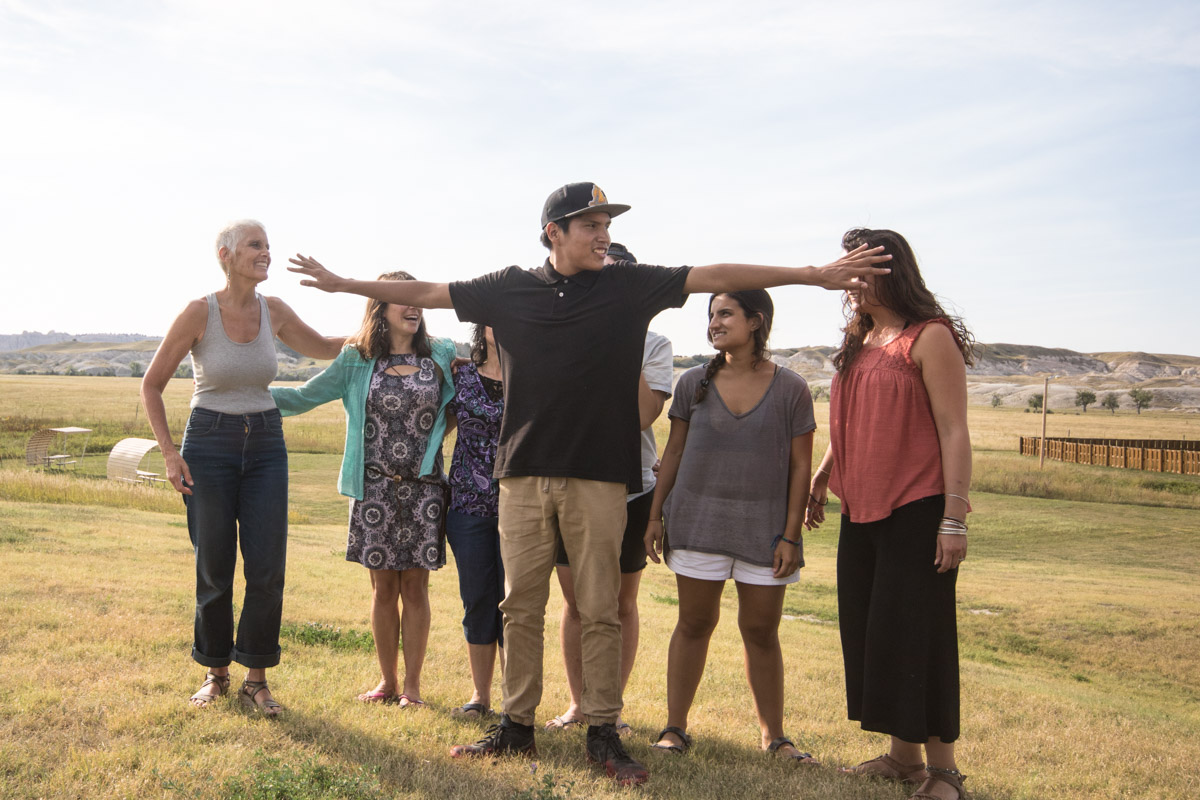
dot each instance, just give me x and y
(240, 472)
(898, 625)
(475, 542)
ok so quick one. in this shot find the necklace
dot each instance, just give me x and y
(880, 336)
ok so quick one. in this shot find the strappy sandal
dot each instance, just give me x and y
(801, 758)
(407, 702)
(889, 769)
(950, 777)
(562, 722)
(202, 699)
(383, 698)
(685, 741)
(249, 693)
(472, 711)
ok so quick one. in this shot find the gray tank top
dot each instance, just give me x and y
(232, 377)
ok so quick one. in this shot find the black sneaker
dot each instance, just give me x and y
(502, 739)
(604, 747)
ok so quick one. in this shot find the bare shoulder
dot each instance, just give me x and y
(276, 305)
(281, 313)
(194, 315)
(936, 344)
(188, 328)
(935, 335)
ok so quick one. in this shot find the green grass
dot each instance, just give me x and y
(1078, 622)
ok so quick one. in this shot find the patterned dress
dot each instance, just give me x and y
(398, 524)
(478, 405)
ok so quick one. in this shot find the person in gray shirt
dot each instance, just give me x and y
(733, 487)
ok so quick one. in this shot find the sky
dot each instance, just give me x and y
(1043, 159)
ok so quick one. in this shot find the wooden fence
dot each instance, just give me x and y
(1155, 455)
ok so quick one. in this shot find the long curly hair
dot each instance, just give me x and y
(371, 339)
(754, 303)
(479, 353)
(902, 291)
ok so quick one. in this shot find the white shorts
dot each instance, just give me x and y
(716, 567)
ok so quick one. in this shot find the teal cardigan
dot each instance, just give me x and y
(349, 377)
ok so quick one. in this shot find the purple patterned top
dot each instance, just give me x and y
(472, 489)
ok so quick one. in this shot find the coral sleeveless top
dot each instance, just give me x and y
(885, 444)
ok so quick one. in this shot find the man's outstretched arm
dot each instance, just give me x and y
(420, 294)
(845, 273)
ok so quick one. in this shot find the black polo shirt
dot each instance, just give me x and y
(571, 350)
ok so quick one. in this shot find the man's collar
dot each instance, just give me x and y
(552, 276)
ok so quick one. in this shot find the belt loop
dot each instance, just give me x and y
(545, 485)
(220, 416)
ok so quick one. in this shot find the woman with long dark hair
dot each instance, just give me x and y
(899, 459)
(232, 469)
(732, 487)
(472, 520)
(394, 382)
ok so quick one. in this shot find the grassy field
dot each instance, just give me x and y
(1078, 621)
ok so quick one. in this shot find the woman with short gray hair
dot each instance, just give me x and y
(232, 468)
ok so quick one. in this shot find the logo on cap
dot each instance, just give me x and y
(598, 198)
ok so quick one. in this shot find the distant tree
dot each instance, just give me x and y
(1035, 402)
(72, 371)
(997, 401)
(1141, 398)
(1111, 402)
(819, 392)
(183, 371)
(135, 369)
(1084, 398)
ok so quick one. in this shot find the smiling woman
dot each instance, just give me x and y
(394, 382)
(232, 469)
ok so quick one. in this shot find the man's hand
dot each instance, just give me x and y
(849, 270)
(320, 277)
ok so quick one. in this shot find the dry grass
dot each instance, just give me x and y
(1078, 624)
(1081, 675)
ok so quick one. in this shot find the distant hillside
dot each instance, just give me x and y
(1012, 372)
(126, 355)
(20, 341)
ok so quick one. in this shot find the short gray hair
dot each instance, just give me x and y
(232, 233)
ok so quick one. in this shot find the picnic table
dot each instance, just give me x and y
(52, 447)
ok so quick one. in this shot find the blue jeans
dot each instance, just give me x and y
(476, 545)
(240, 473)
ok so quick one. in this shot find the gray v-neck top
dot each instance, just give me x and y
(730, 495)
(232, 377)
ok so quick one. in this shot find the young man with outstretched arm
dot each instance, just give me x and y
(654, 389)
(571, 337)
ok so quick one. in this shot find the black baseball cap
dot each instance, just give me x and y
(620, 252)
(578, 198)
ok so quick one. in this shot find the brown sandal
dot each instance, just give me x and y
(800, 758)
(889, 769)
(950, 777)
(202, 699)
(249, 697)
